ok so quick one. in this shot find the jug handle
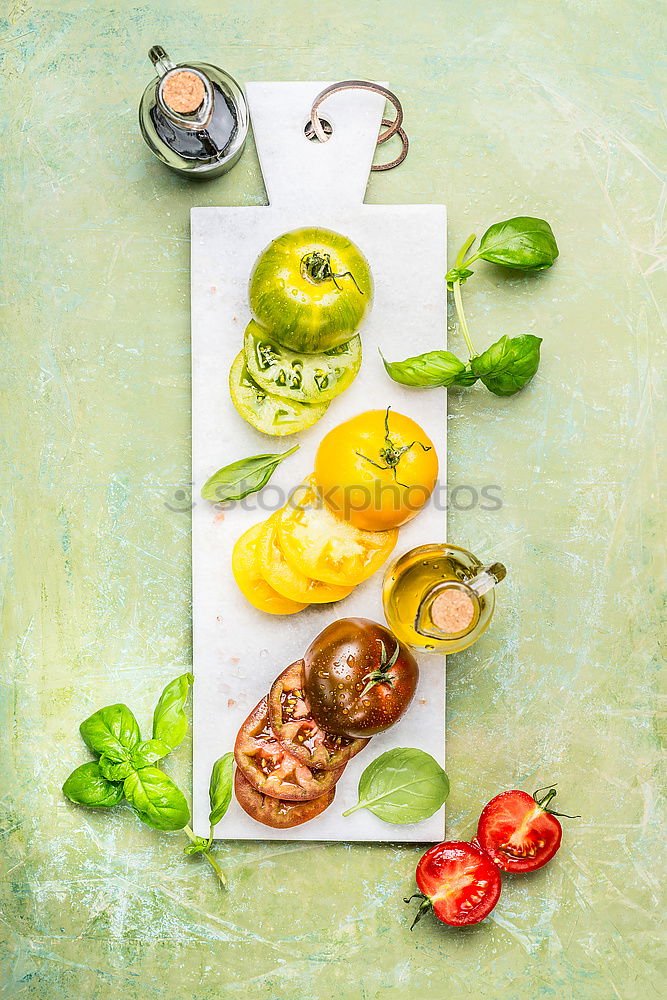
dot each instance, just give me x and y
(160, 60)
(486, 579)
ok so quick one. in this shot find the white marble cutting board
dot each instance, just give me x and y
(238, 651)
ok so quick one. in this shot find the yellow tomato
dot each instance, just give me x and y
(287, 580)
(318, 544)
(250, 581)
(376, 470)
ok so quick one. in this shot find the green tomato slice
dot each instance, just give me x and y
(265, 412)
(307, 378)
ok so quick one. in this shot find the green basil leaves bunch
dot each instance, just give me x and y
(523, 244)
(125, 768)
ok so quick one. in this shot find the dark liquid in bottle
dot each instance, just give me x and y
(200, 144)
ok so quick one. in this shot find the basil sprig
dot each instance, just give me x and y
(126, 768)
(238, 480)
(220, 795)
(524, 244)
(403, 785)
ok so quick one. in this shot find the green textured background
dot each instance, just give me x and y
(553, 109)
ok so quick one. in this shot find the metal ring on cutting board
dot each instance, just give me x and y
(392, 128)
(404, 148)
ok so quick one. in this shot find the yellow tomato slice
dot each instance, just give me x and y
(317, 543)
(287, 580)
(251, 583)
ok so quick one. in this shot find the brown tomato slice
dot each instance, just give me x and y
(297, 731)
(278, 813)
(272, 769)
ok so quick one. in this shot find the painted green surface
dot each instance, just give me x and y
(553, 109)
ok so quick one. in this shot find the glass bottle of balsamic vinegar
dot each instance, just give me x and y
(193, 116)
(439, 598)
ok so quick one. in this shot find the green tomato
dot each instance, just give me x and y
(308, 378)
(265, 412)
(310, 290)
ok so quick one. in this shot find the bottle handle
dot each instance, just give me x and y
(160, 60)
(486, 579)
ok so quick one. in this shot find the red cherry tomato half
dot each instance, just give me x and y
(458, 882)
(518, 832)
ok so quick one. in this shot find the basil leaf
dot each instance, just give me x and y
(523, 243)
(148, 752)
(435, 368)
(170, 723)
(466, 378)
(220, 787)
(112, 731)
(509, 364)
(403, 785)
(87, 786)
(237, 480)
(114, 770)
(157, 801)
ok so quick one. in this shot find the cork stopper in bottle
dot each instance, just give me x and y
(452, 611)
(183, 92)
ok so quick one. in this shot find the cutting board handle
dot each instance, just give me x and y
(305, 172)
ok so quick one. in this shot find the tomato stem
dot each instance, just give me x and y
(376, 677)
(391, 454)
(424, 906)
(381, 675)
(543, 803)
(316, 266)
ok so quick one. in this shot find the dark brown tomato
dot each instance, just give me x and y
(359, 679)
(277, 813)
(270, 768)
(292, 722)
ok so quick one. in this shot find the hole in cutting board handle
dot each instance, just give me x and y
(310, 133)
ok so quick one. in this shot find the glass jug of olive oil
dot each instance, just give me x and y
(193, 116)
(440, 598)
